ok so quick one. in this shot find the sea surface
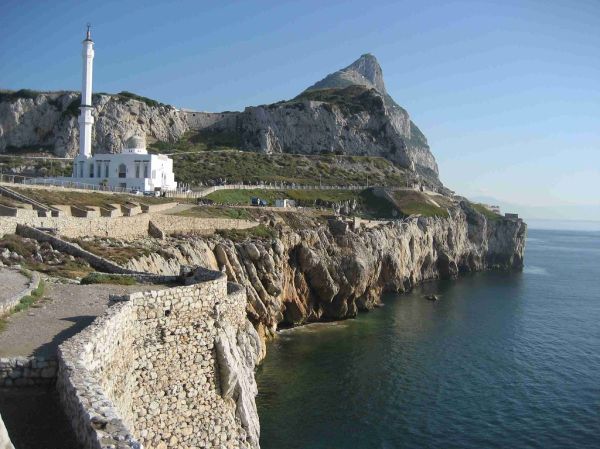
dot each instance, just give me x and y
(502, 360)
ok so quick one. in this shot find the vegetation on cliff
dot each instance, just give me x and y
(212, 157)
(363, 203)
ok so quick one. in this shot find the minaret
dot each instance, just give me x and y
(86, 120)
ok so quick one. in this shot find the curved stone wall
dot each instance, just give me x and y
(152, 371)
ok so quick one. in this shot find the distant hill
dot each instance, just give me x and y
(349, 112)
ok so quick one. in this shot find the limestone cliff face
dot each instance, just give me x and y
(49, 121)
(330, 272)
(348, 112)
(334, 116)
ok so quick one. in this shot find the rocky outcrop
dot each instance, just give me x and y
(348, 112)
(237, 353)
(331, 272)
(48, 121)
(313, 125)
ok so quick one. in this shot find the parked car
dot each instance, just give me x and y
(255, 201)
(136, 192)
(152, 193)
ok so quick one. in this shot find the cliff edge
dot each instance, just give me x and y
(330, 271)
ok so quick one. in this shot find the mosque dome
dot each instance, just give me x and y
(136, 142)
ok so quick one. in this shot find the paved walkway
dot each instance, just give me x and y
(64, 311)
(11, 283)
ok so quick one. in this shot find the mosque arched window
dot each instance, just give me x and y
(122, 171)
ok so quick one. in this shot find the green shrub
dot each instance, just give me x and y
(29, 300)
(125, 95)
(237, 235)
(492, 216)
(8, 95)
(101, 278)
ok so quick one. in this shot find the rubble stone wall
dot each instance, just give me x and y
(122, 227)
(26, 371)
(146, 373)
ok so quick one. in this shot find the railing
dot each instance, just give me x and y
(198, 193)
(202, 192)
(57, 182)
(67, 183)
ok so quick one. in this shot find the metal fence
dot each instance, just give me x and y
(187, 193)
(66, 183)
(202, 192)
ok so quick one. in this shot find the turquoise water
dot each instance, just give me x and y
(503, 360)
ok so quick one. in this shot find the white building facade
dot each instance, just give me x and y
(133, 168)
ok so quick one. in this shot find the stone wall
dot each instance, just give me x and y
(123, 227)
(157, 207)
(216, 120)
(7, 211)
(27, 371)
(165, 369)
(7, 305)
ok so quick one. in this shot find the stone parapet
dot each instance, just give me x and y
(123, 227)
(23, 213)
(147, 373)
(27, 371)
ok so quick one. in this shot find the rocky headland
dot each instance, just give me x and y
(303, 267)
(329, 271)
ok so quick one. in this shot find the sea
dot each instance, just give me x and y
(502, 360)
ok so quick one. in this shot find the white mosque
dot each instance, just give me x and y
(132, 169)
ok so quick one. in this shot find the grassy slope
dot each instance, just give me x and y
(218, 212)
(303, 197)
(206, 167)
(486, 212)
(24, 247)
(369, 205)
(417, 203)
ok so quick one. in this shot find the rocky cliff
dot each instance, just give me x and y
(48, 121)
(328, 272)
(348, 112)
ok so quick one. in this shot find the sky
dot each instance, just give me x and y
(507, 92)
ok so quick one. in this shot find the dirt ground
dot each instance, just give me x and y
(64, 311)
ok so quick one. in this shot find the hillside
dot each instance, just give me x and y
(33, 121)
(347, 113)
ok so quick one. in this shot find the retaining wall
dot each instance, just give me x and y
(123, 227)
(157, 207)
(146, 373)
(9, 304)
(27, 371)
(7, 211)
